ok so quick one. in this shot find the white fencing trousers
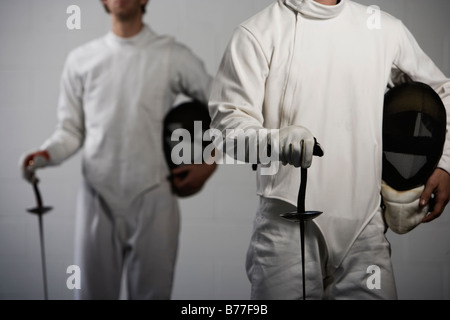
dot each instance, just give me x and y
(144, 238)
(274, 260)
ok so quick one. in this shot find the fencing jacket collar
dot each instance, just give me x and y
(313, 9)
(139, 40)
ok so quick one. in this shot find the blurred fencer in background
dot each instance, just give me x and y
(115, 92)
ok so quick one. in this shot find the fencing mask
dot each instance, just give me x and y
(414, 130)
(183, 129)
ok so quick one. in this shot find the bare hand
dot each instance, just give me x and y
(189, 179)
(439, 185)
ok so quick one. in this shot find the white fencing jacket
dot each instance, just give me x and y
(114, 95)
(325, 68)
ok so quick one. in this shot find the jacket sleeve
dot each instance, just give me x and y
(69, 134)
(237, 97)
(189, 75)
(413, 61)
(238, 90)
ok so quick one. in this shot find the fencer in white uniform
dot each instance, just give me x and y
(114, 95)
(318, 70)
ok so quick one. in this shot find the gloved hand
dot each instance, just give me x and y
(402, 212)
(28, 164)
(296, 146)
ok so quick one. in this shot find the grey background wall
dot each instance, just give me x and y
(216, 224)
